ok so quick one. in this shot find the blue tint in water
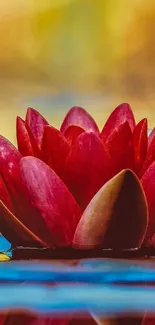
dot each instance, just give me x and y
(4, 244)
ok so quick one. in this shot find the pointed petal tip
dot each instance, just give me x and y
(119, 115)
(78, 116)
(116, 217)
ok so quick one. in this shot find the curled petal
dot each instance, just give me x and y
(140, 142)
(78, 116)
(25, 139)
(87, 167)
(122, 113)
(120, 147)
(16, 233)
(55, 149)
(150, 157)
(72, 133)
(37, 123)
(116, 217)
(148, 183)
(58, 212)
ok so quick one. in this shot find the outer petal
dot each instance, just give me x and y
(72, 133)
(78, 116)
(10, 171)
(120, 147)
(55, 149)
(57, 209)
(140, 142)
(150, 157)
(122, 113)
(25, 139)
(87, 167)
(116, 217)
(9, 164)
(15, 231)
(148, 183)
(37, 123)
(4, 195)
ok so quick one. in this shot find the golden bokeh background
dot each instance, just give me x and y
(58, 53)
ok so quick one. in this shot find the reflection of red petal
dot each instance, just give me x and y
(72, 133)
(37, 123)
(23, 319)
(88, 167)
(78, 116)
(120, 147)
(25, 139)
(116, 217)
(140, 141)
(58, 212)
(148, 183)
(122, 113)
(150, 157)
(15, 231)
(55, 149)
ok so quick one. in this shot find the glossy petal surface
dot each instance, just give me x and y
(25, 139)
(72, 133)
(116, 217)
(150, 157)
(88, 167)
(55, 149)
(58, 212)
(120, 147)
(78, 116)
(37, 123)
(148, 183)
(122, 113)
(16, 233)
(140, 142)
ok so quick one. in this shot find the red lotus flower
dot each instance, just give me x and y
(79, 186)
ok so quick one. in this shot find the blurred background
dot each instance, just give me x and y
(58, 53)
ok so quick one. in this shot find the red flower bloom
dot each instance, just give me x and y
(79, 169)
(78, 186)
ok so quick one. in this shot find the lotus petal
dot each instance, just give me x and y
(122, 113)
(4, 195)
(116, 217)
(140, 142)
(9, 163)
(37, 123)
(16, 233)
(150, 157)
(25, 139)
(148, 183)
(55, 149)
(10, 171)
(72, 133)
(57, 210)
(87, 167)
(78, 116)
(120, 147)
